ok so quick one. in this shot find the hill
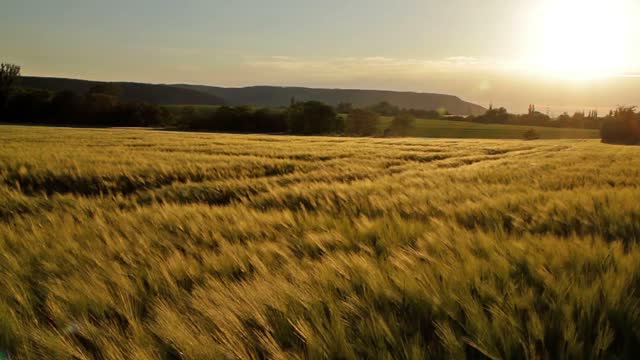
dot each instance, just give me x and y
(263, 96)
(137, 92)
(271, 96)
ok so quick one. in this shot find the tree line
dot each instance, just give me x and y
(101, 106)
(301, 117)
(535, 118)
(384, 108)
(620, 126)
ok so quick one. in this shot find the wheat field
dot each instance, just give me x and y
(142, 244)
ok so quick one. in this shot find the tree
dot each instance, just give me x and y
(533, 117)
(270, 121)
(313, 117)
(137, 114)
(234, 119)
(593, 121)
(99, 106)
(621, 127)
(384, 108)
(402, 124)
(361, 122)
(9, 75)
(29, 105)
(578, 119)
(494, 116)
(564, 120)
(65, 106)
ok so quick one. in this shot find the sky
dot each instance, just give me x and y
(558, 54)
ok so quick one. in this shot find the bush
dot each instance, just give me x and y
(531, 134)
(622, 127)
(622, 132)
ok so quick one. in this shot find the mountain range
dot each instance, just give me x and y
(263, 96)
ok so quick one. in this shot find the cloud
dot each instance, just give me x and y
(462, 60)
(366, 66)
(283, 58)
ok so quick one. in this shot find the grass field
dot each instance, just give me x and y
(141, 244)
(430, 128)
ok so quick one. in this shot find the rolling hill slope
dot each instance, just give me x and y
(139, 92)
(263, 96)
(281, 96)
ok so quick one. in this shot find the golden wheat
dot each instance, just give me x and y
(140, 244)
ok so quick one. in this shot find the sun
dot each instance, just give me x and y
(580, 38)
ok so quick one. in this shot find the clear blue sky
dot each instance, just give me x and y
(476, 49)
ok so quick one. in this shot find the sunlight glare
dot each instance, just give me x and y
(581, 38)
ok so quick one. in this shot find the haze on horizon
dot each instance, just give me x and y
(561, 54)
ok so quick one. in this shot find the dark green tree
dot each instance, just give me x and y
(622, 127)
(361, 122)
(564, 118)
(28, 105)
(384, 108)
(65, 106)
(313, 117)
(9, 75)
(402, 124)
(494, 116)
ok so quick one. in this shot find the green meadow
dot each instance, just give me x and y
(144, 244)
(439, 128)
(430, 128)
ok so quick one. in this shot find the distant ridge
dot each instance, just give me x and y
(130, 91)
(281, 96)
(267, 96)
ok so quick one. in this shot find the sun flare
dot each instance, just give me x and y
(581, 38)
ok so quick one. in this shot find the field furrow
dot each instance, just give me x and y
(124, 243)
